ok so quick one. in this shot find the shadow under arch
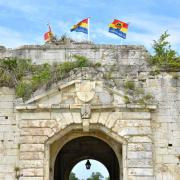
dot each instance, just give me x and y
(85, 147)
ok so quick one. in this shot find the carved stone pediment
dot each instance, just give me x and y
(79, 92)
(76, 94)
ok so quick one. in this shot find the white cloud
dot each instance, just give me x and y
(19, 5)
(78, 36)
(10, 38)
(104, 33)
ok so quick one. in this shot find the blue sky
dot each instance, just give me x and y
(25, 21)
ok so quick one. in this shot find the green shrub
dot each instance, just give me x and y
(24, 90)
(164, 57)
(98, 64)
(41, 77)
(126, 100)
(26, 77)
(129, 85)
(81, 61)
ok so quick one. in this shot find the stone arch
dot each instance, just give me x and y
(64, 113)
(91, 148)
(72, 131)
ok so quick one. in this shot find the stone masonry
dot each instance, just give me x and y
(85, 102)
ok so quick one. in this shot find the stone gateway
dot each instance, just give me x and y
(87, 116)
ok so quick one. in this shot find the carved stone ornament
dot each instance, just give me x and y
(85, 91)
(86, 111)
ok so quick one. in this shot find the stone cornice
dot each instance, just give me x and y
(118, 107)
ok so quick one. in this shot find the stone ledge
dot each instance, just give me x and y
(93, 106)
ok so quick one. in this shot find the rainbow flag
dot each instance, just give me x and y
(82, 26)
(119, 28)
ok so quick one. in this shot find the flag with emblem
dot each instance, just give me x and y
(48, 35)
(119, 28)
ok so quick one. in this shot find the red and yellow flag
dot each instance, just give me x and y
(119, 28)
(81, 26)
(48, 35)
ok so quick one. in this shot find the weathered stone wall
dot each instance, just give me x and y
(9, 135)
(105, 54)
(153, 138)
(166, 126)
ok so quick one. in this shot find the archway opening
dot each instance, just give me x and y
(97, 170)
(83, 148)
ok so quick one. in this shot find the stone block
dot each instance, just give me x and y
(139, 147)
(142, 139)
(33, 139)
(30, 172)
(136, 163)
(6, 105)
(6, 97)
(94, 117)
(35, 115)
(76, 117)
(31, 147)
(11, 152)
(31, 155)
(11, 136)
(37, 132)
(9, 168)
(140, 171)
(37, 123)
(130, 123)
(133, 131)
(31, 164)
(113, 118)
(9, 176)
(141, 178)
(103, 117)
(139, 155)
(68, 118)
(136, 115)
(9, 121)
(8, 160)
(170, 159)
(31, 178)
(7, 91)
(7, 128)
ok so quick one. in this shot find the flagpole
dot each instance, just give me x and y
(88, 29)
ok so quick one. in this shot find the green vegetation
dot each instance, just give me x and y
(27, 77)
(175, 76)
(72, 176)
(129, 85)
(164, 58)
(17, 172)
(94, 176)
(81, 61)
(134, 94)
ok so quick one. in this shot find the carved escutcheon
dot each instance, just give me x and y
(85, 91)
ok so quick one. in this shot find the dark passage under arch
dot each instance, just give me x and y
(81, 148)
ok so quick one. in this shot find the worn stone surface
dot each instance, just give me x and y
(150, 136)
